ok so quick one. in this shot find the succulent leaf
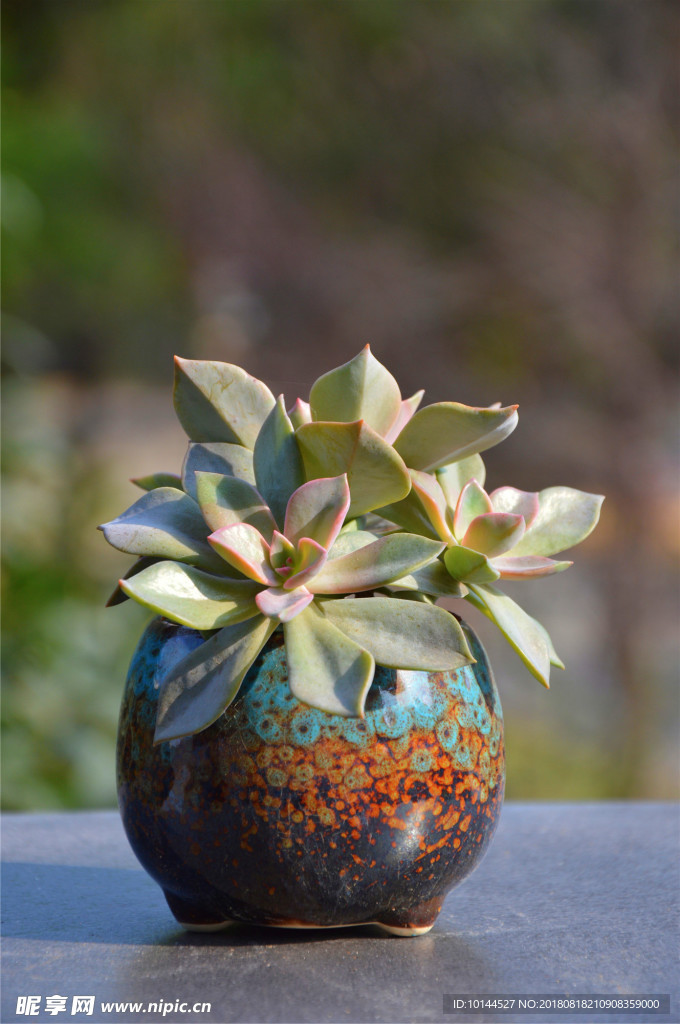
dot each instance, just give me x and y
(527, 636)
(163, 523)
(376, 474)
(283, 605)
(226, 459)
(191, 597)
(565, 518)
(317, 510)
(410, 515)
(220, 402)
(521, 503)
(494, 533)
(204, 684)
(452, 478)
(433, 579)
(325, 668)
(473, 501)
(406, 411)
(309, 560)
(447, 431)
(226, 500)
(525, 566)
(361, 389)
(118, 595)
(244, 547)
(351, 541)
(431, 497)
(376, 564)
(469, 566)
(277, 461)
(401, 634)
(300, 413)
(154, 480)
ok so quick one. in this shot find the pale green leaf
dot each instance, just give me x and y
(317, 510)
(406, 411)
(118, 596)
(203, 685)
(447, 431)
(469, 566)
(277, 461)
(154, 480)
(351, 541)
(452, 478)
(565, 518)
(494, 533)
(225, 459)
(300, 413)
(375, 473)
(432, 579)
(401, 634)
(473, 501)
(220, 402)
(193, 598)
(361, 389)
(325, 668)
(527, 636)
(226, 500)
(163, 523)
(385, 560)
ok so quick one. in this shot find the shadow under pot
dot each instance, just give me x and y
(280, 814)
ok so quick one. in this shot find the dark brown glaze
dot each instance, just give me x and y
(282, 814)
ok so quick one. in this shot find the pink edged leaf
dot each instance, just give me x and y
(204, 683)
(520, 503)
(300, 413)
(376, 564)
(431, 497)
(326, 669)
(525, 566)
(494, 533)
(406, 411)
(318, 510)
(469, 566)
(311, 557)
(245, 548)
(473, 501)
(283, 605)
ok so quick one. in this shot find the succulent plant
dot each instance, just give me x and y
(341, 521)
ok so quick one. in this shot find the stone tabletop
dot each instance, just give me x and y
(572, 899)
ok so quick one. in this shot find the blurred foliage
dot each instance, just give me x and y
(481, 190)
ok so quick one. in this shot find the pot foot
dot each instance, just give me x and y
(193, 916)
(405, 932)
(411, 922)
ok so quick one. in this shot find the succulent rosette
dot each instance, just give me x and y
(342, 522)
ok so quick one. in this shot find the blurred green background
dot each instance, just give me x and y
(483, 190)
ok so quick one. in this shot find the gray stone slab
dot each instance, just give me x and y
(571, 899)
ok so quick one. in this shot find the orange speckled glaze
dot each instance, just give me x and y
(282, 814)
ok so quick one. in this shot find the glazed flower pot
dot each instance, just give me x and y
(281, 814)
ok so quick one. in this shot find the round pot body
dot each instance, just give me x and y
(280, 814)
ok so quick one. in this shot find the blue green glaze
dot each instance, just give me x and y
(280, 813)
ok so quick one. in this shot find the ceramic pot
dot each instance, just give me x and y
(280, 814)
